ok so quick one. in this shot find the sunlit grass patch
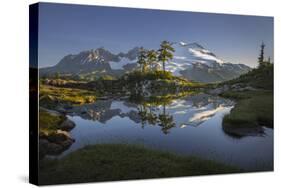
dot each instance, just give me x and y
(67, 95)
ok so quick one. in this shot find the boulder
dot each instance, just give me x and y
(54, 149)
(55, 143)
(67, 125)
(59, 137)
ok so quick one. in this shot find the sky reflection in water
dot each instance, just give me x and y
(191, 125)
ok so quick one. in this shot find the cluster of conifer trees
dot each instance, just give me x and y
(151, 58)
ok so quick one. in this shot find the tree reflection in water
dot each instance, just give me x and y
(146, 111)
(166, 121)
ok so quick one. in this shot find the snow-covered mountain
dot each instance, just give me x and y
(191, 61)
(186, 55)
(195, 62)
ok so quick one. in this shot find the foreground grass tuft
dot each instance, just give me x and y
(108, 162)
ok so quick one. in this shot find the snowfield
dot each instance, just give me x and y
(188, 54)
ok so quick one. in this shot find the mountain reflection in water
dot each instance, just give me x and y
(189, 125)
(188, 111)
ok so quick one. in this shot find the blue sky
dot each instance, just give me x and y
(68, 29)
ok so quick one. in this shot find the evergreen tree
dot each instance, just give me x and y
(151, 58)
(165, 53)
(142, 57)
(166, 121)
(261, 57)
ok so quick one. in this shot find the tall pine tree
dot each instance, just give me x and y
(142, 57)
(151, 58)
(165, 53)
(261, 57)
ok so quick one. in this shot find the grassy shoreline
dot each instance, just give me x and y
(51, 94)
(109, 162)
(253, 110)
(254, 106)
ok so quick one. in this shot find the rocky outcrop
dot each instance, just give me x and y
(67, 125)
(55, 143)
(57, 139)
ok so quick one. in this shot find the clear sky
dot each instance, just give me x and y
(69, 29)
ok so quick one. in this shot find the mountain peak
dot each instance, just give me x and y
(182, 43)
(195, 45)
(188, 55)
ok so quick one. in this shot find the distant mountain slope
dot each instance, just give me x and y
(93, 61)
(191, 61)
(260, 78)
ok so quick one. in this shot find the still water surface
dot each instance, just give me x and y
(190, 125)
